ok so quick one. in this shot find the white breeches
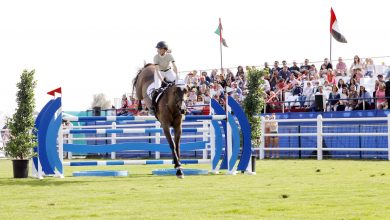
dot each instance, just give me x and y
(169, 75)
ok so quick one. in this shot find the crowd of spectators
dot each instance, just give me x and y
(292, 86)
(329, 88)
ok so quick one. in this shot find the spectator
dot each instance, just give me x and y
(124, 105)
(207, 98)
(305, 67)
(266, 85)
(241, 82)
(364, 100)
(330, 77)
(334, 99)
(284, 73)
(356, 64)
(352, 82)
(352, 98)
(341, 83)
(273, 101)
(369, 67)
(358, 74)
(229, 76)
(222, 81)
(306, 94)
(273, 129)
(326, 65)
(240, 72)
(213, 74)
(202, 89)
(387, 92)
(202, 81)
(341, 68)
(133, 107)
(276, 66)
(192, 97)
(294, 68)
(198, 106)
(207, 78)
(379, 81)
(267, 69)
(380, 95)
(213, 89)
(343, 103)
(274, 79)
(313, 72)
(191, 80)
(323, 72)
(267, 142)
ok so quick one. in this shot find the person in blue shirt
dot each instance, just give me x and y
(364, 101)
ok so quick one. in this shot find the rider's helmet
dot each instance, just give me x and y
(162, 45)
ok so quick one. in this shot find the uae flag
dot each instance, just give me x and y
(219, 32)
(53, 92)
(334, 28)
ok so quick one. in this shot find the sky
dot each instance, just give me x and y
(95, 46)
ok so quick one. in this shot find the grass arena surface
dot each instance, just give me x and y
(282, 189)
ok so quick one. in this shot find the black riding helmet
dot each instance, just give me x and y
(162, 45)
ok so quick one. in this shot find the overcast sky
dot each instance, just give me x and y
(95, 46)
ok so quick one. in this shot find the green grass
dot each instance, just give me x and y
(282, 189)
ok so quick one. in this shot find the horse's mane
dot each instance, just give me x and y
(136, 78)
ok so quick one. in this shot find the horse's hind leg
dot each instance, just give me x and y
(173, 149)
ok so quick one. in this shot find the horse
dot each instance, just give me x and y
(168, 109)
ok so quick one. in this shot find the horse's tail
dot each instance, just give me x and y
(135, 81)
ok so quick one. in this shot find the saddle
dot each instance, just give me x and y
(157, 94)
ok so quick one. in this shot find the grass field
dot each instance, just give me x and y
(282, 189)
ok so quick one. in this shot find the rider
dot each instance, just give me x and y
(164, 73)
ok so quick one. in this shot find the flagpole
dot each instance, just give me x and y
(330, 49)
(220, 41)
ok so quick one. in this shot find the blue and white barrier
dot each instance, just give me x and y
(50, 157)
(133, 162)
(140, 118)
(128, 131)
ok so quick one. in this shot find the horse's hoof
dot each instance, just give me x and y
(179, 173)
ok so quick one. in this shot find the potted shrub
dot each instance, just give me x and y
(22, 139)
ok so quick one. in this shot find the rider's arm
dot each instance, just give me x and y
(158, 72)
(175, 70)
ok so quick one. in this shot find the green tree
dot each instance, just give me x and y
(21, 125)
(254, 102)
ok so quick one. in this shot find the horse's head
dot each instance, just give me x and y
(180, 92)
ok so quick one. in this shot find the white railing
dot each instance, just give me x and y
(320, 134)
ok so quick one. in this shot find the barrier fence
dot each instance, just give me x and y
(320, 134)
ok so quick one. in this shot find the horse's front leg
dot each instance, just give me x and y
(174, 152)
(177, 137)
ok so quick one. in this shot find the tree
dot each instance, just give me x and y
(22, 139)
(254, 102)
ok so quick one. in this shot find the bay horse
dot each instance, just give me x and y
(168, 110)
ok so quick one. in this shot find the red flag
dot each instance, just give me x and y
(219, 32)
(334, 28)
(58, 90)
